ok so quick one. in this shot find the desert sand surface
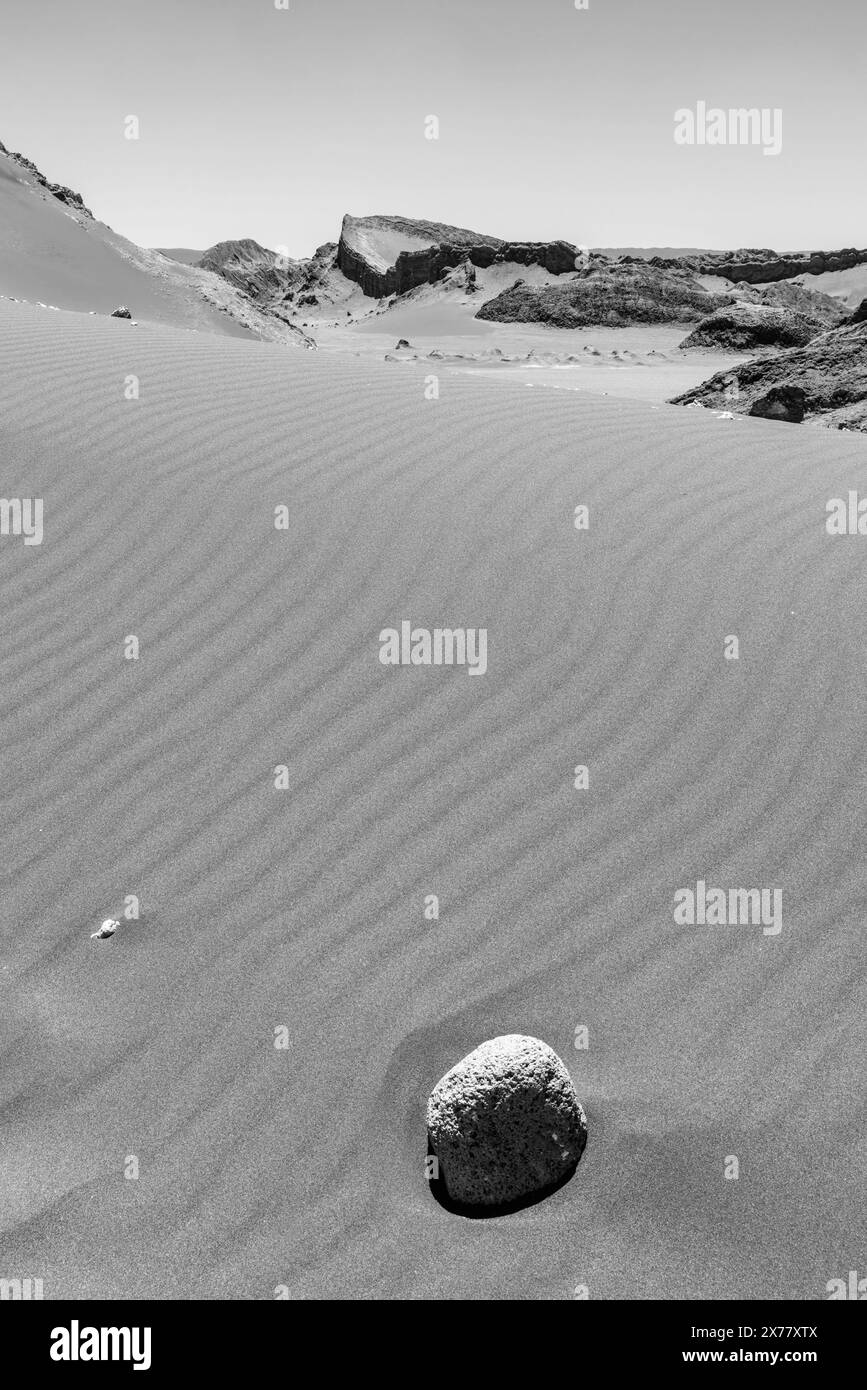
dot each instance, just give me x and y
(303, 908)
(849, 286)
(643, 362)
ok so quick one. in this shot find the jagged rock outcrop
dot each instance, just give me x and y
(813, 304)
(860, 314)
(831, 371)
(614, 293)
(756, 266)
(273, 281)
(391, 255)
(249, 267)
(57, 190)
(267, 276)
(743, 327)
(505, 1124)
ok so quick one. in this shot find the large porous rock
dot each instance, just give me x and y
(505, 1123)
(787, 403)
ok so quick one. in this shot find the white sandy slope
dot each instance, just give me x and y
(260, 908)
(54, 254)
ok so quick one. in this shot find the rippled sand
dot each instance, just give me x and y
(304, 1167)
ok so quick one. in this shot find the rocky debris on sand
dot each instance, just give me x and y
(121, 313)
(830, 371)
(505, 1123)
(743, 327)
(403, 343)
(108, 928)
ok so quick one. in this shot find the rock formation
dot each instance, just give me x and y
(757, 266)
(813, 304)
(743, 327)
(391, 255)
(57, 190)
(831, 371)
(787, 403)
(270, 279)
(505, 1124)
(613, 293)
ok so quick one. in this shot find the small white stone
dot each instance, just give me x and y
(108, 928)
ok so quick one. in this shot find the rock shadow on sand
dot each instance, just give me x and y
(478, 1212)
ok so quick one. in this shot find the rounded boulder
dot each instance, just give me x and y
(505, 1124)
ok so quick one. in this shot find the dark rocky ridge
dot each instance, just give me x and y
(744, 326)
(267, 278)
(616, 294)
(831, 371)
(755, 266)
(449, 247)
(57, 190)
(812, 303)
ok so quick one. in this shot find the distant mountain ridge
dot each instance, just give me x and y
(763, 266)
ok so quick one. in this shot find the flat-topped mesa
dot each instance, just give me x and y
(762, 266)
(57, 190)
(390, 255)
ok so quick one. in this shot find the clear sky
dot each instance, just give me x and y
(554, 121)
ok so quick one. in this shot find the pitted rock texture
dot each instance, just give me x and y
(505, 1123)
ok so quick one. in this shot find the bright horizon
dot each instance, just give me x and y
(554, 122)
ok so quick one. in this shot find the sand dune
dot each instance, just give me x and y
(53, 254)
(303, 907)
